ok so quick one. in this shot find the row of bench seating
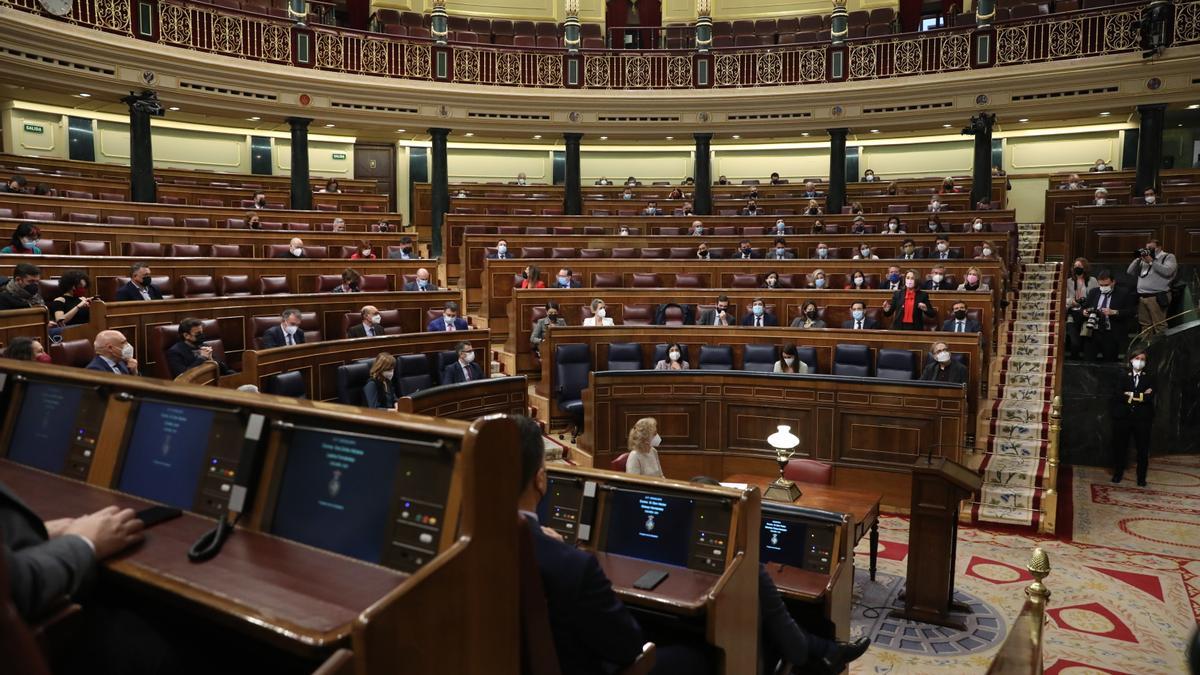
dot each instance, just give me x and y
(686, 252)
(227, 285)
(156, 249)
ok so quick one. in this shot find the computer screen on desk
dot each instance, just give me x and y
(182, 455)
(649, 526)
(800, 538)
(56, 427)
(382, 500)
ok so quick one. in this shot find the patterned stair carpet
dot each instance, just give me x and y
(1014, 465)
(1113, 609)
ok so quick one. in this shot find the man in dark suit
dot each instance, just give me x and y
(893, 280)
(909, 250)
(751, 208)
(191, 351)
(15, 185)
(942, 367)
(960, 322)
(810, 190)
(911, 305)
(944, 252)
(287, 333)
(448, 321)
(780, 251)
(114, 354)
(464, 369)
(139, 286)
(1105, 312)
(295, 249)
(937, 280)
(370, 326)
(719, 315)
(565, 279)
(746, 251)
(406, 251)
(858, 318)
(422, 282)
(1133, 415)
(758, 316)
(501, 252)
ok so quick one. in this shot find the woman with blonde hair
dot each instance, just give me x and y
(973, 281)
(643, 441)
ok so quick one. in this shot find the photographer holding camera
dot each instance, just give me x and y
(1103, 315)
(1155, 270)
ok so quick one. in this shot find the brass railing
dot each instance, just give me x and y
(1021, 653)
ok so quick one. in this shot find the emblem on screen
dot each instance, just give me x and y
(774, 538)
(650, 524)
(166, 445)
(335, 483)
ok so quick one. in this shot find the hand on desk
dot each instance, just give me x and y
(58, 527)
(111, 530)
(553, 534)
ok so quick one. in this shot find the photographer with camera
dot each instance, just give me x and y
(1155, 270)
(1133, 415)
(1103, 315)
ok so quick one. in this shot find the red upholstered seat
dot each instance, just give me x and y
(142, 249)
(195, 286)
(90, 248)
(809, 471)
(73, 353)
(233, 284)
(184, 250)
(618, 464)
(274, 286)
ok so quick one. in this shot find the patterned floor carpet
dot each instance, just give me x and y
(1125, 591)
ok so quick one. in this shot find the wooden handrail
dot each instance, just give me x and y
(1021, 653)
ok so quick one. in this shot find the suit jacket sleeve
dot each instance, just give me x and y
(607, 625)
(273, 337)
(124, 294)
(177, 362)
(371, 395)
(452, 374)
(435, 325)
(44, 572)
(778, 626)
(356, 331)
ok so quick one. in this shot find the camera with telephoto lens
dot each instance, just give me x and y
(1142, 252)
(1091, 324)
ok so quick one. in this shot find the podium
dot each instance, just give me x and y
(938, 486)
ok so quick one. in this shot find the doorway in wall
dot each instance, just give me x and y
(377, 161)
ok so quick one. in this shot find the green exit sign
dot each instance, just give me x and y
(35, 128)
(339, 155)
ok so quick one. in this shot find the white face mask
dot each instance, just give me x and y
(502, 248)
(1106, 289)
(366, 251)
(859, 281)
(376, 319)
(822, 252)
(289, 329)
(937, 278)
(932, 227)
(656, 441)
(387, 374)
(1149, 199)
(297, 252)
(28, 241)
(469, 357)
(600, 313)
(127, 352)
(674, 355)
(789, 359)
(977, 226)
(987, 252)
(942, 247)
(1138, 364)
(893, 226)
(1099, 201)
(942, 357)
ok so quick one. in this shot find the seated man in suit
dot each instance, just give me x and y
(936, 205)
(295, 249)
(15, 185)
(464, 369)
(406, 251)
(909, 250)
(114, 354)
(911, 305)
(1149, 197)
(746, 251)
(421, 283)
(751, 208)
(942, 368)
(893, 280)
(937, 280)
(781, 252)
(370, 326)
(1100, 165)
(603, 181)
(260, 199)
(1100, 197)
(501, 252)
(703, 253)
(139, 286)
(287, 333)
(961, 323)
(22, 290)
(858, 317)
(448, 321)
(651, 209)
(1073, 183)
(758, 316)
(944, 252)
(719, 315)
(191, 351)
(565, 279)
(810, 190)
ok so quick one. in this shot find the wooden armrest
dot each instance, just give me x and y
(60, 619)
(340, 662)
(644, 663)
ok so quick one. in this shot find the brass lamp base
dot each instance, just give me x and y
(782, 490)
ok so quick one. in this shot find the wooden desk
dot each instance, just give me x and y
(294, 597)
(1108, 235)
(30, 322)
(686, 590)
(470, 400)
(862, 505)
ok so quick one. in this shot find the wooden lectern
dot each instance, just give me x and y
(938, 485)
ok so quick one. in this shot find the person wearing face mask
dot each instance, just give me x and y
(810, 190)
(522, 179)
(818, 280)
(651, 209)
(15, 185)
(781, 227)
(973, 281)
(501, 252)
(422, 283)
(371, 324)
(813, 208)
(260, 200)
(603, 181)
(675, 193)
(858, 318)
(944, 252)
(758, 316)
(674, 360)
(553, 318)
(936, 205)
(751, 208)
(942, 367)
(1100, 165)
(295, 249)
(287, 333)
(71, 308)
(703, 253)
(859, 226)
(934, 225)
(1149, 197)
(24, 240)
(1133, 416)
(114, 354)
(253, 221)
(565, 279)
(960, 321)
(697, 228)
(864, 253)
(351, 282)
(857, 209)
(858, 280)
(818, 227)
(1079, 285)
(363, 251)
(464, 369)
(1100, 197)
(1155, 270)
(869, 176)
(937, 281)
(191, 351)
(623, 231)
(809, 313)
(379, 391)
(140, 285)
(910, 305)
(531, 278)
(894, 226)
(627, 195)
(987, 251)
(405, 252)
(643, 449)
(909, 250)
(22, 290)
(718, 315)
(977, 225)
(893, 280)
(789, 362)
(746, 252)
(23, 348)
(1104, 314)
(448, 321)
(822, 252)
(781, 251)
(599, 315)
(1073, 183)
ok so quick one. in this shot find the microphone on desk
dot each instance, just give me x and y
(209, 545)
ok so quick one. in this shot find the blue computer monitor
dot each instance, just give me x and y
(45, 427)
(337, 492)
(167, 452)
(649, 526)
(783, 539)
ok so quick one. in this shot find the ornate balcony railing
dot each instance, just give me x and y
(208, 28)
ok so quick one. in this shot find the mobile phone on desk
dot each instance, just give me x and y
(649, 580)
(154, 515)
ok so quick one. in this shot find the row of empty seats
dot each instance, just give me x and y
(171, 221)
(225, 285)
(689, 252)
(154, 249)
(201, 178)
(675, 315)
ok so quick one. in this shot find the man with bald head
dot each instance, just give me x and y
(295, 249)
(114, 354)
(370, 326)
(421, 283)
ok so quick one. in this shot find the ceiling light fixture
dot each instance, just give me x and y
(400, 131)
(1193, 106)
(736, 137)
(1023, 119)
(469, 134)
(670, 138)
(253, 119)
(947, 126)
(85, 95)
(1105, 114)
(804, 133)
(874, 131)
(174, 108)
(537, 137)
(328, 126)
(604, 138)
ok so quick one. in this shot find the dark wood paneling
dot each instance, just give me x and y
(470, 400)
(1110, 235)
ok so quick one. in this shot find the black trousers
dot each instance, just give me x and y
(1074, 339)
(1138, 426)
(1106, 342)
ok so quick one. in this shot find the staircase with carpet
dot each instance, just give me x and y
(1014, 456)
